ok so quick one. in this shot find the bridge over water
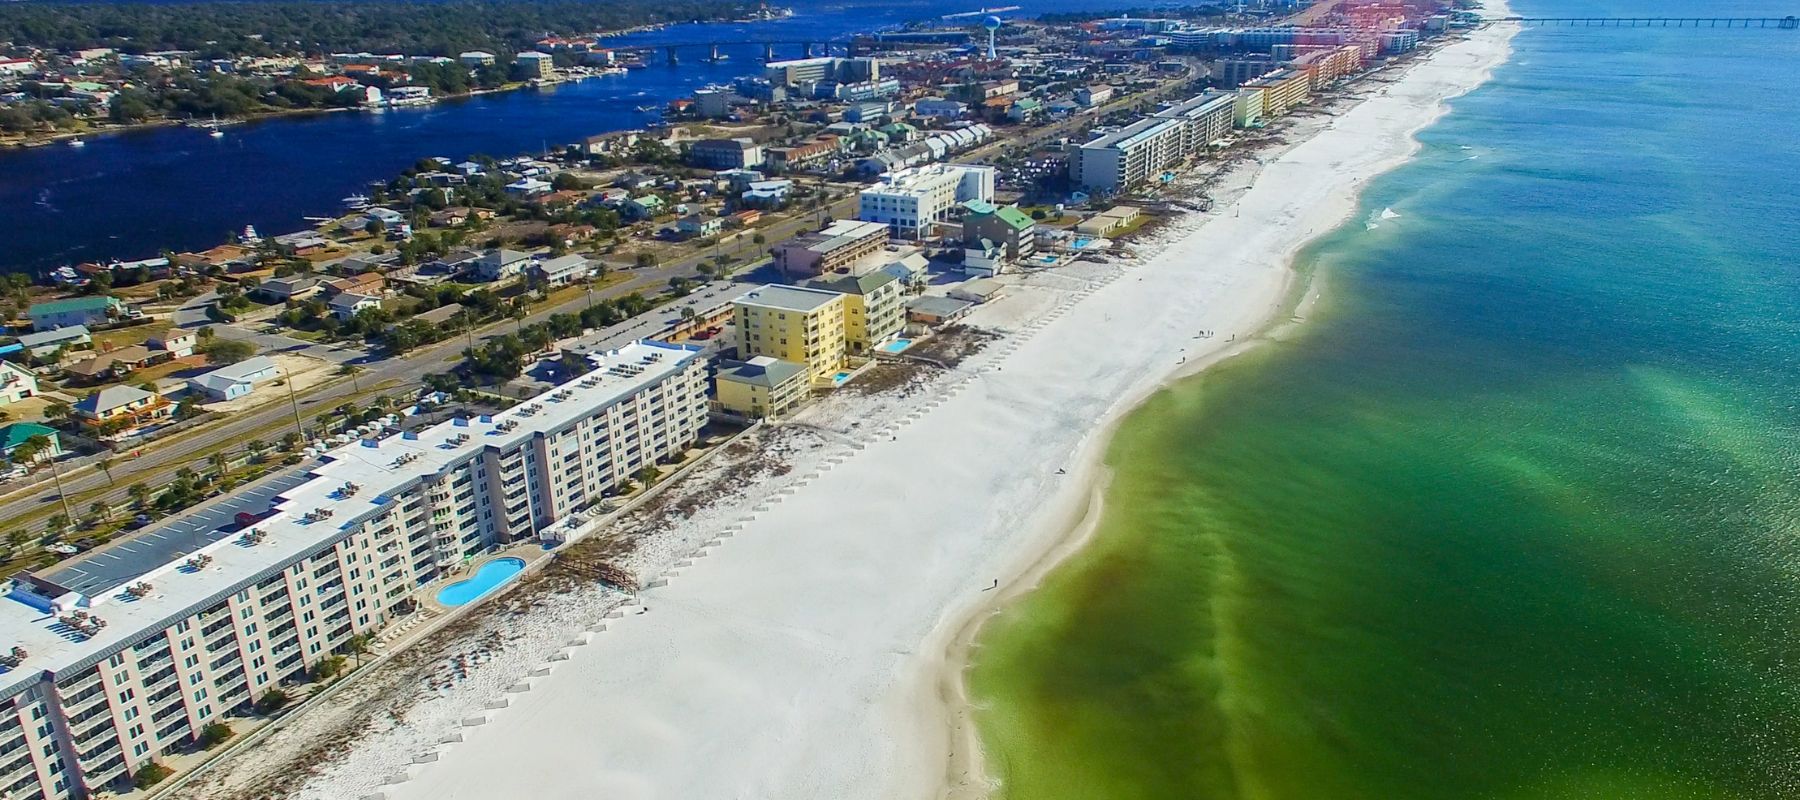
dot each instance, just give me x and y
(711, 50)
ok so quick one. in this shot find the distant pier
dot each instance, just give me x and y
(1782, 23)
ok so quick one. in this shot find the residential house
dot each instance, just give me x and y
(123, 406)
(113, 364)
(647, 207)
(562, 270)
(912, 270)
(761, 387)
(528, 187)
(983, 258)
(696, 225)
(500, 264)
(44, 343)
(768, 193)
(1095, 95)
(937, 311)
(476, 58)
(235, 380)
(87, 311)
(1107, 221)
(359, 283)
(571, 234)
(290, 288)
(16, 435)
(302, 243)
(346, 305)
(176, 342)
(980, 290)
(16, 383)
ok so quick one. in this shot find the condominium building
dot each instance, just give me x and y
(737, 153)
(121, 657)
(1247, 106)
(1206, 119)
(1281, 90)
(1230, 73)
(874, 308)
(1324, 67)
(797, 324)
(838, 247)
(910, 201)
(1129, 155)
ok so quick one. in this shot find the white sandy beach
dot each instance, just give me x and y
(802, 656)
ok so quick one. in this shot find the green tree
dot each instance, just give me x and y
(226, 351)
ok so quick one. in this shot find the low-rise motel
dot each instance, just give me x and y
(838, 245)
(123, 655)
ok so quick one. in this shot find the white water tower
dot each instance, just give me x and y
(992, 24)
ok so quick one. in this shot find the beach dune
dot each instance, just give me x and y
(803, 657)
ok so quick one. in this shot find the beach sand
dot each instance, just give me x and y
(816, 651)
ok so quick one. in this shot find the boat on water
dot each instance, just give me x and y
(77, 143)
(356, 202)
(648, 109)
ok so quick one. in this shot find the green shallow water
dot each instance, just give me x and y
(1517, 512)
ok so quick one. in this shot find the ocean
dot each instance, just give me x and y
(1513, 514)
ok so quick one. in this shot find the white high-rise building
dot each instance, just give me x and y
(909, 201)
(121, 659)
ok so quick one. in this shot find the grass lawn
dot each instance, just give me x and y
(165, 369)
(120, 337)
(305, 336)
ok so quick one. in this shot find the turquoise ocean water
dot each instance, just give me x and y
(1516, 514)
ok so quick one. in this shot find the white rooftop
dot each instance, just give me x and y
(380, 469)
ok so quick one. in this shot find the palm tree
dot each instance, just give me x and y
(105, 464)
(56, 411)
(100, 510)
(140, 494)
(56, 525)
(219, 464)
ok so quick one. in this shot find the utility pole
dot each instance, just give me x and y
(294, 404)
(56, 474)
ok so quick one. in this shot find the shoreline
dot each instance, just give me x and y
(966, 776)
(800, 638)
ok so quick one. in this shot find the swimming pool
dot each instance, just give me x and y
(896, 346)
(1081, 243)
(485, 580)
(838, 379)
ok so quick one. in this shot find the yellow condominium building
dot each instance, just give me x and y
(794, 323)
(874, 309)
(1282, 89)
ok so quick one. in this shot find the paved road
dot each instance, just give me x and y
(192, 314)
(158, 464)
